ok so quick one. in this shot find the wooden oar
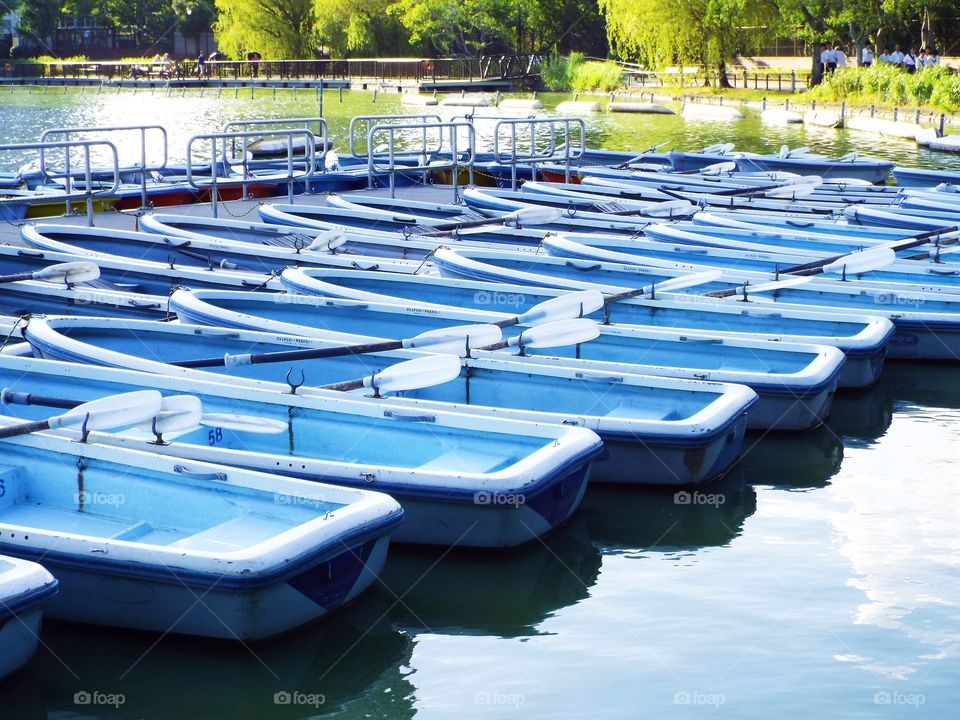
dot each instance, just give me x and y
(70, 273)
(563, 307)
(109, 412)
(539, 215)
(632, 160)
(174, 411)
(549, 335)
(410, 375)
(677, 283)
(447, 340)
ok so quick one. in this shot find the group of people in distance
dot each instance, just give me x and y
(834, 57)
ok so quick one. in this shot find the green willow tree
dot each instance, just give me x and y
(360, 27)
(281, 29)
(692, 32)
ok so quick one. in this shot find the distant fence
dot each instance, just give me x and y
(488, 67)
(698, 77)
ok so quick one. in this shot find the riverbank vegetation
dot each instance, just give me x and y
(575, 72)
(937, 87)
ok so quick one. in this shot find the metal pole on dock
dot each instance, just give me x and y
(320, 96)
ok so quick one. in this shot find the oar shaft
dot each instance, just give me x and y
(16, 277)
(24, 429)
(344, 386)
(291, 355)
(25, 398)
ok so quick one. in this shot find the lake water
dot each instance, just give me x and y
(821, 578)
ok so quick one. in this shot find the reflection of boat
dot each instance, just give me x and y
(863, 415)
(925, 384)
(506, 595)
(658, 520)
(813, 458)
(353, 659)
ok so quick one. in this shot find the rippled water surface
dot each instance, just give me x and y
(821, 579)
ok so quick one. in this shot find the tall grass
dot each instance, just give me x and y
(557, 72)
(887, 85)
(593, 75)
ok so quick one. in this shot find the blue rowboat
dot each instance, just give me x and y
(907, 275)
(355, 241)
(921, 177)
(130, 274)
(862, 339)
(135, 538)
(442, 472)
(676, 432)
(25, 591)
(194, 252)
(835, 227)
(368, 219)
(874, 171)
(927, 325)
(795, 383)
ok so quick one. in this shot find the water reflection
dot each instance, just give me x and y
(928, 384)
(794, 461)
(188, 112)
(862, 416)
(355, 661)
(629, 519)
(505, 595)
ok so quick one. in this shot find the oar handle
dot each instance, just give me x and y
(290, 355)
(24, 429)
(9, 397)
(15, 277)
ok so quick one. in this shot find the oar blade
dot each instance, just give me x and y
(455, 339)
(562, 307)
(686, 281)
(557, 334)
(178, 413)
(861, 262)
(783, 284)
(243, 423)
(113, 411)
(669, 209)
(71, 273)
(535, 215)
(414, 374)
(328, 241)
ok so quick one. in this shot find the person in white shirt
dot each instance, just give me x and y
(828, 59)
(896, 57)
(840, 57)
(910, 62)
(866, 56)
(932, 58)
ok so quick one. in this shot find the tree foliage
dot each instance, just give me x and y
(275, 28)
(695, 32)
(39, 18)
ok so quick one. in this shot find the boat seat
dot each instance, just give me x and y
(134, 532)
(638, 412)
(234, 534)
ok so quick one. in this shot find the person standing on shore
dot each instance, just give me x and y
(896, 57)
(828, 60)
(910, 62)
(932, 59)
(201, 65)
(839, 56)
(866, 56)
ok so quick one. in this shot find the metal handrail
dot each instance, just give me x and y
(244, 160)
(142, 129)
(368, 121)
(553, 151)
(88, 193)
(452, 127)
(283, 124)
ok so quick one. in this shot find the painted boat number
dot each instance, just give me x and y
(215, 437)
